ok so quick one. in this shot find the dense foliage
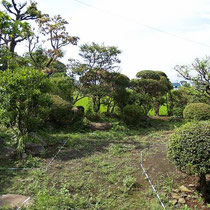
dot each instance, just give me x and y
(61, 111)
(98, 76)
(189, 148)
(134, 115)
(154, 84)
(24, 99)
(197, 111)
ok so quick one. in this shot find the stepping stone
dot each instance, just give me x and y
(101, 126)
(12, 200)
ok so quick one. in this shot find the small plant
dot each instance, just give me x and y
(128, 183)
(169, 185)
(30, 162)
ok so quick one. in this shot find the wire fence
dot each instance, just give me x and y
(148, 178)
(55, 156)
(41, 168)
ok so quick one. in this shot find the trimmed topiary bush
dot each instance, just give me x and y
(197, 111)
(61, 112)
(189, 148)
(134, 115)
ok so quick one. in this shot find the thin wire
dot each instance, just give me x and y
(27, 199)
(145, 25)
(149, 180)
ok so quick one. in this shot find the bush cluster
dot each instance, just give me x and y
(197, 111)
(189, 147)
(134, 115)
(61, 111)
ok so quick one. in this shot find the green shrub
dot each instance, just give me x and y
(133, 115)
(61, 111)
(24, 99)
(62, 86)
(189, 148)
(197, 111)
(178, 111)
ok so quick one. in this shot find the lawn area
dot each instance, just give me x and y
(85, 102)
(99, 170)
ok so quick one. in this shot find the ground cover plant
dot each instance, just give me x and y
(101, 170)
(82, 135)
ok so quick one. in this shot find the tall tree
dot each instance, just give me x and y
(14, 22)
(94, 71)
(54, 31)
(152, 83)
(198, 73)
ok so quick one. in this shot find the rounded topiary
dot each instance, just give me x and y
(197, 111)
(61, 112)
(133, 115)
(189, 148)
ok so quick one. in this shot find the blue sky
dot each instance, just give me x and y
(122, 23)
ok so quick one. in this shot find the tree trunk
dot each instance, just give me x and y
(156, 108)
(202, 182)
(167, 103)
(12, 46)
(171, 104)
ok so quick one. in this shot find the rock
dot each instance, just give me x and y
(175, 196)
(100, 126)
(12, 201)
(184, 189)
(184, 195)
(34, 149)
(79, 112)
(174, 201)
(182, 201)
(24, 156)
(175, 190)
(7, 153)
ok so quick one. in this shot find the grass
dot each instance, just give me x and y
(162, 111)
(86, 102)
(95, 170)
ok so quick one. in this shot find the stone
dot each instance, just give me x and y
(34, 149)
(175, 196)
(8, 153)
(100, 126)
(174, 201)
(13, 201)
(184, 195)
(175, 190)
(24, 156)
(182, 201)
(184, 189)
(79, 112)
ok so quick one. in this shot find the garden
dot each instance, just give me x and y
(82, 135)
